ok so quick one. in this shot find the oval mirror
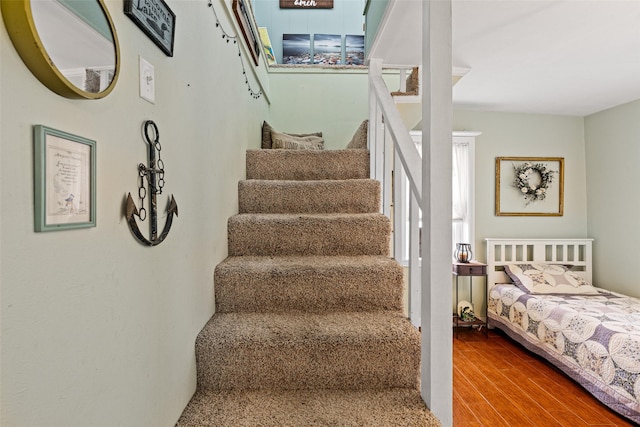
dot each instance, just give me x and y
(69, 45)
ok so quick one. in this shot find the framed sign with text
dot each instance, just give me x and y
(65, 180)
(155, 19)
(306, 4)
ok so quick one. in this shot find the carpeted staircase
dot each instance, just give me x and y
(308, 329)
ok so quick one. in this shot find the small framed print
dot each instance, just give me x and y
(65, 180)
(529, 186)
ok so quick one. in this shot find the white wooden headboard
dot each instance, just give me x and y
(576, 252)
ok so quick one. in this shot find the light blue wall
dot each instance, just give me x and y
(346, 17)
(375, 12)
(312, 99)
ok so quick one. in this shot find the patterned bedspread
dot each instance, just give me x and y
(595, 339)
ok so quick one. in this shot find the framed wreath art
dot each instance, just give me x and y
(529, 186)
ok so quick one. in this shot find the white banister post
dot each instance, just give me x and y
(403, 80)
(387, 158)
(437, 364)
(400, 212)
(374, 131)
(415, 273)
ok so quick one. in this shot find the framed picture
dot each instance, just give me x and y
(354, 50)
(327, 49)
(65, 180)
(244, 17)
(296, 49)
(266, 44)
(529, 186)
(155, 19)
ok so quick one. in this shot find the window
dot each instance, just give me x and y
(462, 192)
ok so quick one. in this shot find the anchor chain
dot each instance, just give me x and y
(142, 192)
(144, 172)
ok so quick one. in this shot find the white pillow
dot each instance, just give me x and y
(281, 140)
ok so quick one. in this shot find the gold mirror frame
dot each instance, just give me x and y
(18, 19)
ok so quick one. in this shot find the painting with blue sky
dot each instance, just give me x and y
(296, 49)
(327, 49)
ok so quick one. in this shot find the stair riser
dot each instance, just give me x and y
(308, 235)
(304, 165)
(349, 196)
(300, 366)
(308, 288)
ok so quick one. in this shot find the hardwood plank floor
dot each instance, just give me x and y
(496, 382)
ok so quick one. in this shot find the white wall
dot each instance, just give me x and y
(98, 330)
(613, 156)
(530, 135)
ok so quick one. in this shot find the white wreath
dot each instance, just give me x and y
(524, 174)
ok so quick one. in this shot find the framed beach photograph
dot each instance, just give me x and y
(296, 49)
(529, 186)
(65, 180)
(327, 49)
(155, 19)
(353, 50)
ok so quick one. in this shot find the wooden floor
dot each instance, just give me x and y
(496, 382)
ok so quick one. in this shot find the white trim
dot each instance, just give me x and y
(551, 251)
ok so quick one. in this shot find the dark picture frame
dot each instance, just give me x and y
(515, 196)
(155, 19)
(243, 16)
(65, 180)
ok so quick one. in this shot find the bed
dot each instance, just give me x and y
(540, 294)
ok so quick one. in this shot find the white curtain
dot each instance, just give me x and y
(460, 194)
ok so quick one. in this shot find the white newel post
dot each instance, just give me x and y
(436, 374)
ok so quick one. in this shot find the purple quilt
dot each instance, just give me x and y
(595, 339)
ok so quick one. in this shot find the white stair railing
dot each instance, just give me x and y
(397, 164)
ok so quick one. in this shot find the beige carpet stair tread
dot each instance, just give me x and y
(308, 234)
(388, 408)
(304, 351)
(305, 165)
(312, 283)
(325, 196)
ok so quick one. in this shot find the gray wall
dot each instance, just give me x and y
(98, 330)
(613, 154)
(526, 135)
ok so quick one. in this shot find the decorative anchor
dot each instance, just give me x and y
(154, 175)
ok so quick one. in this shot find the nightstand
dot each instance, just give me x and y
(470, 270)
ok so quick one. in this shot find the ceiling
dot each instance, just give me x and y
(566, 57)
